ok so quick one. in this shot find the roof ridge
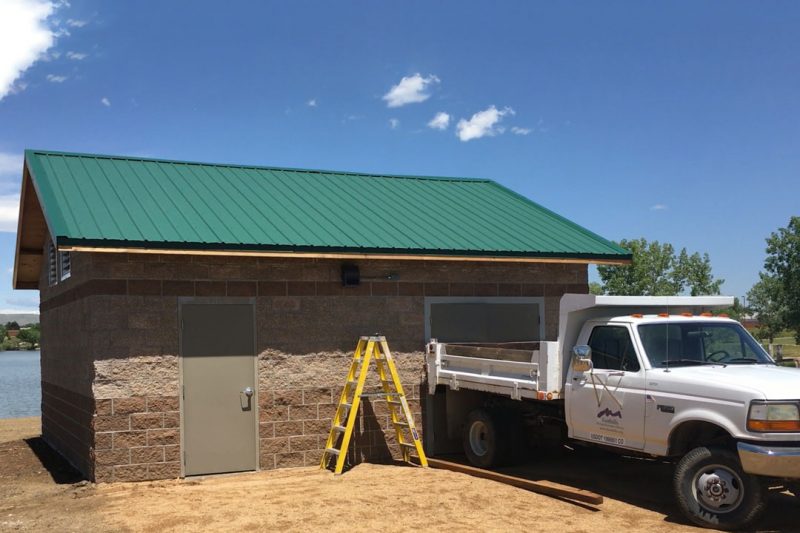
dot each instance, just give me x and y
(254, 167)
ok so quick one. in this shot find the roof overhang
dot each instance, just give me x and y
(32, 230)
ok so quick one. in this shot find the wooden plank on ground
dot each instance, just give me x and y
(541, 487)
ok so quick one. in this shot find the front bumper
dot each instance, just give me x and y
(772, 461)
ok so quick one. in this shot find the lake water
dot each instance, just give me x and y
(20, 386)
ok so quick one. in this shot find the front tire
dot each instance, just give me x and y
(713, 491)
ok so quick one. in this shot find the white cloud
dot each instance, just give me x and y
(75, 23)
(25, 35)
(410, 90)
(440, 121)
(77, 56)
(516, 130)
(312, 103)
(9, 211)
(53, 78)
(394, 123)
(105, 101)
(482, 124)
(658, 207)
(10, 164)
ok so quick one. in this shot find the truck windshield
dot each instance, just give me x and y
(674, 344)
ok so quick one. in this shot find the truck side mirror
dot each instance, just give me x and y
(581, 358)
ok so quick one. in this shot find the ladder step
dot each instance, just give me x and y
(340, 429)
(378, 394)
(346, 405)
(334, 451)
(401, 424)
(408, 444)
(391, 402)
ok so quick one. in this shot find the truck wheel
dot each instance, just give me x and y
(713, 491)
(483, 439)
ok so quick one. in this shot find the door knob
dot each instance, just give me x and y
(248, 392)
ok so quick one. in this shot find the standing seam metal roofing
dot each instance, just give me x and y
(124, 202)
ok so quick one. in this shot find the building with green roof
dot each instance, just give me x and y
(197, 317)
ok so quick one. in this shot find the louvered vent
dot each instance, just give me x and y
(52, 267)
(65, 264)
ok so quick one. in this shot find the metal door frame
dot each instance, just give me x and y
(217, 300)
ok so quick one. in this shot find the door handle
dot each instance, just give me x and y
(248, 391)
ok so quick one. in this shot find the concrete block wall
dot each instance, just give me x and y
(114, 326)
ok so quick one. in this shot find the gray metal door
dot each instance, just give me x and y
(219, 384)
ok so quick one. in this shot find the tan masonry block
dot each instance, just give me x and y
(131, 473)
(157, 437)
(112, 457)
(326, 410)
(103, 407)
(288, 460)
(287, 429)
(148, 454)
(164, 471)
(317, 427)
(172, 420)
(287, 397)
(312, 457)
(274, 414)
(147, 421)
(103, 441)
(126, 406)
(162, 403)
(305, 443)
(172, 453)
(312, 396)
(303, 412)
(266, 461)
(266, 430)
(111, 423)
(129, 439)
(275, 445)
(103, 474)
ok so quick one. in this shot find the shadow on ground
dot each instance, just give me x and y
(59, 469)
(644, 483)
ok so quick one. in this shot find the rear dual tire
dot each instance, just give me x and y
(492, 438)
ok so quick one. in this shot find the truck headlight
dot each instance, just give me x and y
(774, 416)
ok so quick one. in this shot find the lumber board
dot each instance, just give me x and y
(541, 487)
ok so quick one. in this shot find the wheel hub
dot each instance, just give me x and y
(718, 489)
(477, 438)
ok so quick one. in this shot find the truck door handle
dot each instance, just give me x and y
(616, 374)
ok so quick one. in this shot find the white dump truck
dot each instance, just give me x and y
(651, 376)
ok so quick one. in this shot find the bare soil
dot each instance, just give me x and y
(40, 492)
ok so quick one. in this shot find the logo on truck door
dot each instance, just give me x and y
(609, 413)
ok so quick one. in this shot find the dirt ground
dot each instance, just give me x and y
(39, 492)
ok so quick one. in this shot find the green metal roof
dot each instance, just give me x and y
(113, 201)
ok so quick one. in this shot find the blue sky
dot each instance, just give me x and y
(674, 121)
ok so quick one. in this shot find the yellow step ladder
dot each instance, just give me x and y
(368, 349)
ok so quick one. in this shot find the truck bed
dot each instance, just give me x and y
(517, 370)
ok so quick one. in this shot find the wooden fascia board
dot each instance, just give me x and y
(350, 256)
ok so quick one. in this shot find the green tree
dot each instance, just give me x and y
(12, 325)
(765, 301)
(656, 270)
(694, 271)
(783, 264)
(29, 335)
(595, 288)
